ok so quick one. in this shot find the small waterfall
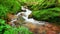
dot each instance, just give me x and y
(25, 15)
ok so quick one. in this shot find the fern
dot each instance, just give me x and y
(20, 30)
(8, 6)
(46, 14)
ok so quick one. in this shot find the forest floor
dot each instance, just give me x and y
(44, 29)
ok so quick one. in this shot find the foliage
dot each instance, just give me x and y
(50, 15)
(7, 29)
(20, 30)
(8, 6)
(3, 26)
(38, 4)
(58, 3)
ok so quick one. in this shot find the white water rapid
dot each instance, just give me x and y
(25, 16)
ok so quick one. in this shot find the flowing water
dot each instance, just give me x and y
(25, 15)
(22, 18)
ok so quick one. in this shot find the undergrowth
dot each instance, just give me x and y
(8, 6)
(7, 29)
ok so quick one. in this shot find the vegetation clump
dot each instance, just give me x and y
(8, 6)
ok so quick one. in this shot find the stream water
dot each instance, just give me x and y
(25, 15)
